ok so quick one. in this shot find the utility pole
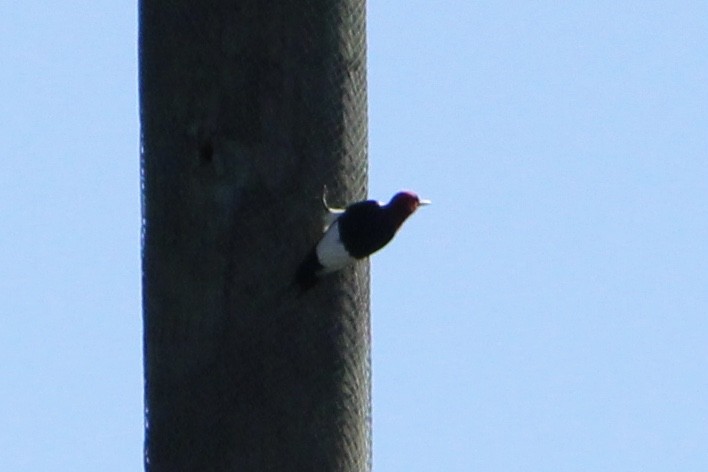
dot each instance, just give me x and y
(248, 108)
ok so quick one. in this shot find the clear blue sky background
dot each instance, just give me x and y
(547, 313)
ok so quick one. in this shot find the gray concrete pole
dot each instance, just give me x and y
(249, 107)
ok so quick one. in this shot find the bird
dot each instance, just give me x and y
(354, 233)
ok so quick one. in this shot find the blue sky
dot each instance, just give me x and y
(546, 313)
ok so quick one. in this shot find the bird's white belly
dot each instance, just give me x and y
(331, 252)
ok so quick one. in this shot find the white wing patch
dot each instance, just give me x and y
(331, 252)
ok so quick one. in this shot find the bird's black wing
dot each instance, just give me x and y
(364, 228)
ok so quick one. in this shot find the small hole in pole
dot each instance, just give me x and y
(206, 152)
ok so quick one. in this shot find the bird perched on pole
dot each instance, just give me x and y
(355, 233)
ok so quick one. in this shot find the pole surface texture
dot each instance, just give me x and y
(248, 108)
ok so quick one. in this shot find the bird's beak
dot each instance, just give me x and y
(424, 202)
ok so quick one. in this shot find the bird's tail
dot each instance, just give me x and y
(306, 275)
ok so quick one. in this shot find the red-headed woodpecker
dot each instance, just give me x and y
(355, 233)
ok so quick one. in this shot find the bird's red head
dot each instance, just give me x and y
(404, 203)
